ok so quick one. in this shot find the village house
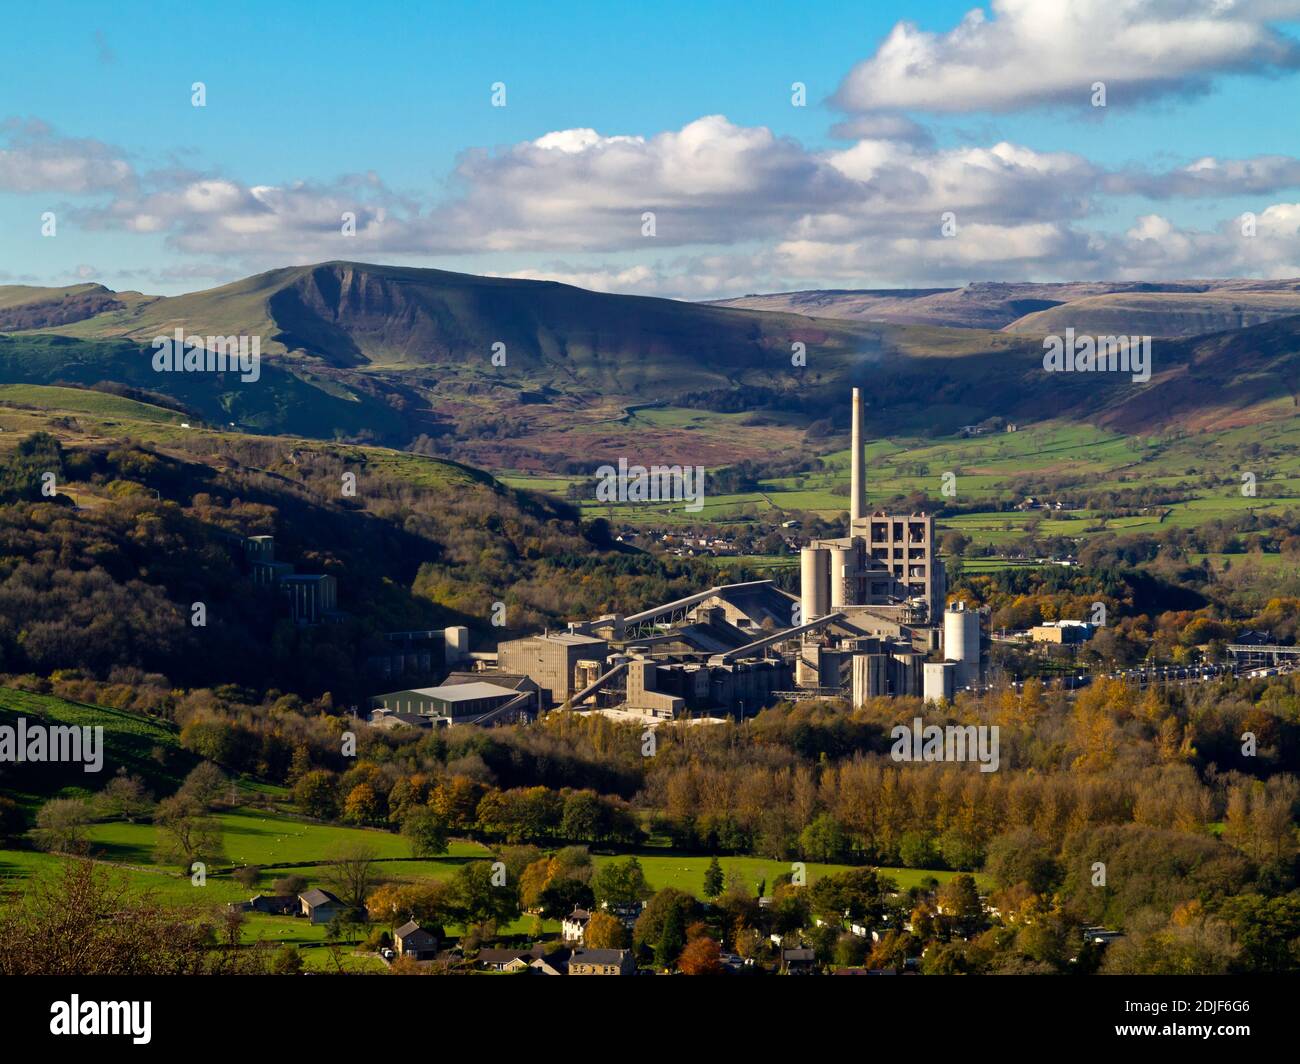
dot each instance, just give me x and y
(275, 904)
(602, 962)
(626, 914)
(554, 963)
(319, 906)
(411, 940)
(574, 926)
(798, 961)
(507, 960)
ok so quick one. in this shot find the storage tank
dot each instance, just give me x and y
(814, 582)
(870, 677)
(961, 643)
(843, 565)
(940, 681)
(907, 674)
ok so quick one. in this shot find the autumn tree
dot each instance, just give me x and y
(604, 931)
(61, 825)
(701, 956)
(352, 871)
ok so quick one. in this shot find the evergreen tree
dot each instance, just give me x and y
(673, 939)
(713, 882)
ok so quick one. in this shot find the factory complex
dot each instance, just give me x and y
(870, 620)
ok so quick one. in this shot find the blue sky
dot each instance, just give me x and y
(400, 91)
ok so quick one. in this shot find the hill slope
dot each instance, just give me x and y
(1154, 309)
(401, 354)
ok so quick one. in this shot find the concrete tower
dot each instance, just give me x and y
(858, 467)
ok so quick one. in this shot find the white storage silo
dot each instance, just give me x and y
(961, 643)
(814, 582)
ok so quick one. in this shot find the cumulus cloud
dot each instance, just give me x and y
(709, 183)
(35, 159)
(1262, 175)
(1030, 53)
(741, 208)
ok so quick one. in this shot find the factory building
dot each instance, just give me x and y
(869, 622)
(885, 580)
(670, 688)
(451, 703)
(1064, 633)
(311, 597)
(419, 653)
(551, 661)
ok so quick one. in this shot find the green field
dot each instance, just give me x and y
(999, 468)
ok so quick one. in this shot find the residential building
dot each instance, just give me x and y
(411, 940)
(602, 962)
(574, 926)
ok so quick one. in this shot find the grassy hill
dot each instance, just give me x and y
(280, 402)
(1185, 308)
(1162, 313)
(397, 353)
(143, 747)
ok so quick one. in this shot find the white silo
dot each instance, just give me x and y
(940, 683)
(961, 642)
(455, 644)
(843, 568)
(814, 582)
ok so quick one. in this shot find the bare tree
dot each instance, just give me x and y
(353, 872)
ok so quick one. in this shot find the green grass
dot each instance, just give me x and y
(140, 746)
(993, 469)
(687, 872)
(85, 401)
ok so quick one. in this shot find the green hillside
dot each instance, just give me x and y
(142, 747)
(280, 402)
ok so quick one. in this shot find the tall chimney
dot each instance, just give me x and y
(858, 486)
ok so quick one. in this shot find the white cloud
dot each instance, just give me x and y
(743, 210)
(1035, 52)
(37, 160)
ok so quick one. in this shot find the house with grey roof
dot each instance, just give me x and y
(411, 940)
(319, 906)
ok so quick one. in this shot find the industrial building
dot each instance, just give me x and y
(885, 560)
(870, 621)
(475, 702)
(1064, 633)
(551, 660)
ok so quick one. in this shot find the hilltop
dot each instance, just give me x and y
(1185, 308)
(405, 356)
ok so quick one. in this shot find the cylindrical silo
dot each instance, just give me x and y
(907, 674)
(870, 677)
(961, 643)
(843, 566)
(814, 582)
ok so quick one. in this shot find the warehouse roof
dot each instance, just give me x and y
(464, 692)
